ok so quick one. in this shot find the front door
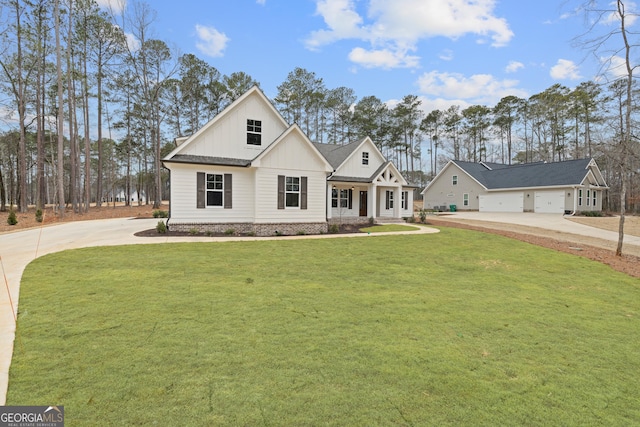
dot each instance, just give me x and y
(363, 203)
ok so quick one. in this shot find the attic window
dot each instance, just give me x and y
(454, 180)
(254, 132)
(365, 158)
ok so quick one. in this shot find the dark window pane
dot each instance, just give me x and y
(254, 139)
(214, 198)
(292, 200)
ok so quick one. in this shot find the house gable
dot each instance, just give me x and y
(292, 151)
(363, 160)
(226, 135)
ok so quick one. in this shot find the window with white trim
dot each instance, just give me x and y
(580, 197)
(465, 199)
(344, 198)
(454, 180)
(215, 189)
(389, 200)
(405, 200)
(334, 198)
(594, 204)
(292, 192)
(254, 132)
(588, 197)
(365, 158)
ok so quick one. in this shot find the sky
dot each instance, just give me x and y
(461, 52)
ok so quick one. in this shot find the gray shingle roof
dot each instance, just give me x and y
(207, 160)
(336, 154)
(497, 176)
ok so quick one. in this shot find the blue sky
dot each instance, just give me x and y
(447, 52)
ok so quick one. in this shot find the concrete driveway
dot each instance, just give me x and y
(554, 222)
(20, 248)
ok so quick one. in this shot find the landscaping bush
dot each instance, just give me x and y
(334, 228)
(160, 214)
(161, 227)
(230, 232)
(423, 216)
(39, 215)
(12, 219)
(592, 213)
(193, 232)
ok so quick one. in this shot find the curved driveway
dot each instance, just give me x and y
(20, 248)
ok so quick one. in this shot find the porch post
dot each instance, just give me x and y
(374, 201)
(329, 201)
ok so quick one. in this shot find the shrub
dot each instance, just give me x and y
(161, 227)
(160, 214)
(39, 215)
(12, 219)
(592, 213)
(301, 233)
(193, 231)
(251, 234)
(334, 228)
(229, 231)
(423, 216)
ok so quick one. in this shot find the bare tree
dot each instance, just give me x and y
(616, 45)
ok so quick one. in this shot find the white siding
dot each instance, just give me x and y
(228, 136)
(184, 193)
(353, 165)
(293, 153)
(266, 184)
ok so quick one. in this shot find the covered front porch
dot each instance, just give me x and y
(381, 198)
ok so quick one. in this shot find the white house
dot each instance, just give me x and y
(558, 187)
(250, 171)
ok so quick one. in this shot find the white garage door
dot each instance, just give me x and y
(511, 202)
(549, 202)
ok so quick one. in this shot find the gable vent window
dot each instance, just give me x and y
(254, 132)
(365, 158)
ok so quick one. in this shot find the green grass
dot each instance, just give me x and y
(388, 228)
(454, 328)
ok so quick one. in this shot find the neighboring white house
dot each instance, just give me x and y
(559, 187)
(250, 171)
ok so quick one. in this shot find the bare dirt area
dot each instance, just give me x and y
(50, 216)
(595, 249)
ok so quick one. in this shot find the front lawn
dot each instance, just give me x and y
(454, 328)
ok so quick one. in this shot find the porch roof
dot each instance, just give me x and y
(207, 160)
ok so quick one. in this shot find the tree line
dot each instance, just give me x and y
(96, 102)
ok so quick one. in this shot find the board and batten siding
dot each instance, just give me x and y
(184, 187)
(353, 165)
(228, 137)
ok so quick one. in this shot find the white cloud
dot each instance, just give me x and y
(614, 67)
(565, 70)
(212, 42)
(261, 2)
(477, 89)
(398, 25)
(132, 42)
(117, 6)
(382, 58)
(514, 66)
(630, 15)
(446, 55)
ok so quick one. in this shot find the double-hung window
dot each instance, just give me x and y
(292, 192)
(588, 197)
(365, 158)
(579, 197)
(593, 193)
(454, 180)
(465, 199)
(254, 132)
(215, 189)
